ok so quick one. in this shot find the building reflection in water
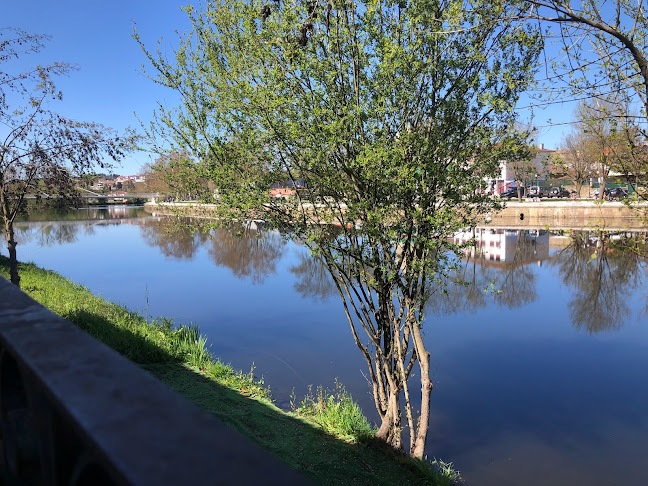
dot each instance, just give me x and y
(517, 247)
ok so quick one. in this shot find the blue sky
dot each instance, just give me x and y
(109, 86)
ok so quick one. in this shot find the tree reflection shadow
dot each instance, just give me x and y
(52, 233)
(508, 281)
(313, 278)
(602, 268)
(247, 250)
(603, 271)
(517, 284)
(175, 237)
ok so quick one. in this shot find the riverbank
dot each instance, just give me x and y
(177, 356)
(567, 214)
(540, 214)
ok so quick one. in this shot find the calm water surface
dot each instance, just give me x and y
(543, 382)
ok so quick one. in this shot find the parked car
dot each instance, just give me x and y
(536, 191)
(511, 193)
(616, 193)
(558, 192)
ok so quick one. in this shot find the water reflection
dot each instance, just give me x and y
(173, 236)
(54, 226)
(248, 252)
(98, 213)
(50, 234)
(504, 248)
(313, 280)
(497, 268)
(603, 270)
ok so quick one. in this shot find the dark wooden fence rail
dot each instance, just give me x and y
(74, 412)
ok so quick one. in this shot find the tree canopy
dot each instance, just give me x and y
(604, 49)
(178, 175)
(602, 62)
(393, 114)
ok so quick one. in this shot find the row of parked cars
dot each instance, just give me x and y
(536, 191)
(560, 192)
(616, 193)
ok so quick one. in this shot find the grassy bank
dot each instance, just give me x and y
(326, 437)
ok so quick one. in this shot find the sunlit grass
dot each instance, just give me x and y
(438, 472)
(336, 413)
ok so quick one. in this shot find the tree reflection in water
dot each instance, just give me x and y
(175, 237)
(497, 268)
(52, 233)
(50, 226)
(603, 270)
(518, 281)
(313, 280)
(247, 250)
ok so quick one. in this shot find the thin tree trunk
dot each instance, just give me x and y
(11, 246)
(7, 217)
(426, 390)
(390, 430)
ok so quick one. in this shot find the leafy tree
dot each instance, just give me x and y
(604, 59)
(387, 110)
(610, 142)
(42, 153)
(605, 47)
(86, 180)
(576, 158)
(521, 158)
(153, 180)
(177, 174)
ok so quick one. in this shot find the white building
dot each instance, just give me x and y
(538, 172)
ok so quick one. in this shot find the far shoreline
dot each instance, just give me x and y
(563, 214)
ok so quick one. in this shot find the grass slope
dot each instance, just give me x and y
(326, 438)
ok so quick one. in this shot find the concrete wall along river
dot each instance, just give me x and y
(571, 215)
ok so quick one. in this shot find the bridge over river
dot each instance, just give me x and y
(87, 194)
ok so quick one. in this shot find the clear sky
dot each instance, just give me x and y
(109, 87)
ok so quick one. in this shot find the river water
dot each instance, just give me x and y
(540, 366)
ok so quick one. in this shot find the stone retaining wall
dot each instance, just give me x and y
(563, 214)
(571, 215)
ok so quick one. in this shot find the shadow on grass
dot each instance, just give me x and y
(296, 442)
(127, 343)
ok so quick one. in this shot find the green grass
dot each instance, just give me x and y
(326, 437)
(336, 413)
